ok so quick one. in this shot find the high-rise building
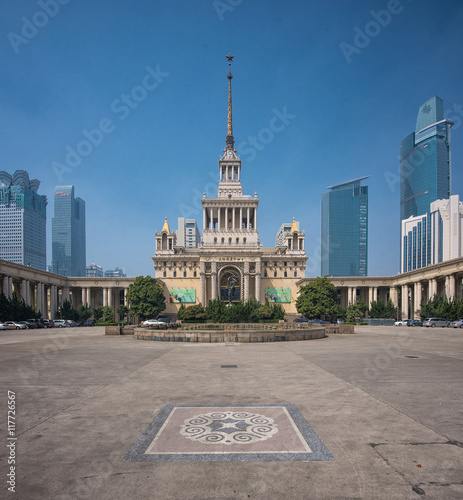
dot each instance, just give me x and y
(425, 160)
(285, 228)
(115, 273)
(23, 217)
(68, 233)
(188, 234)
(344, 246)
(94, 271)
(433, 237)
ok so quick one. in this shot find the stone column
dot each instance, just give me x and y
(370, 295)
(53, 302)
(10, 287)
(404, 301)
(393, 295)
(126, 291)
(247, 218)
(23, 291)
(241, 217)
(255, 217)
(110, 297)
(105, 297)
(417, 301)
(375, 293)
(451, 287)
(432, 288)
(349, 295)
(246, 281)
(214, 280)
(258, 276)
(202, 283)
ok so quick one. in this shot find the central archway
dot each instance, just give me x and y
(230, 284)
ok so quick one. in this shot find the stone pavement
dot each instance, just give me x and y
(378, 415)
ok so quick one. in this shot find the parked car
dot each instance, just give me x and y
(48, 323)
(432, 322)
(38, 323)
(3, 326)
(319, 321)
(74, 323)
(15, 325)
(401, 322)
(61, 323)
(414, 322)
(457, 324)
(165, 320)
(301, 320)
(29, 325)
(149, 322)
(90, 322)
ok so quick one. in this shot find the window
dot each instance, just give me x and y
(194, 264)
(285, 264)
(223, 241)
(265, 263)
(175, 274)
(285, 274)
(295, 274)
(164, 274)
(274, 274)
(229, 241)
(194, 274)
(237, 240)
(184, 274)
(184, 263)
(275, 264)
(174, 264)
(244, 241)
(295, 264)
(215, 241)
(164, 263)
(265, 273)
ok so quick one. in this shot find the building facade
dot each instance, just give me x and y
(344, 229)
(188, 233)
(229, 263)
(425, 160)
(23, 220)
(434, 237)
(94, 271)
(115, 273)
(68, 233)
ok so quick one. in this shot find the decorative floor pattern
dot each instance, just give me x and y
(228, 433)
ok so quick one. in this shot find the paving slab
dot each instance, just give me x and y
(384, 406)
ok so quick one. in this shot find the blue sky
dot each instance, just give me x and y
(347, 101)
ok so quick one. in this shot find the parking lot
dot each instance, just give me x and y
(386, 403)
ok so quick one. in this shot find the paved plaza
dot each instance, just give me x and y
(375, 415)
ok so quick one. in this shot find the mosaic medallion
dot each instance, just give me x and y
(228, 433)
(228, 427)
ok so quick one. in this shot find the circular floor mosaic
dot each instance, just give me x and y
(228, 427)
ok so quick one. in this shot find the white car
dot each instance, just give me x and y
(149, 322)
(61, 323)
(14, 325)
(401, 322)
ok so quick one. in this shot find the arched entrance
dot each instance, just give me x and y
(230, 284)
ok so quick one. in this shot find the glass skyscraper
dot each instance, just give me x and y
(68, 233)
(425, 161)
(344, 246)
(23, 218)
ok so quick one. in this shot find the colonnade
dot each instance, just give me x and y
(219, 217)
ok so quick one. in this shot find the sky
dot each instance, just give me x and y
(127, 101)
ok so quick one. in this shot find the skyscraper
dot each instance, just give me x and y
(425, 160)
(344, 246)
(68, 233)
(188, 234)
(23, 217)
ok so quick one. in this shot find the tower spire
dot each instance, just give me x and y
(230, 141)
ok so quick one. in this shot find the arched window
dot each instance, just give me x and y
(229, 241)
(244, 241)
(223, 241)
(237, 241)
(215, 241)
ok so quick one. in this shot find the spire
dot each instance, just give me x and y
(294, 226)
(165, 227)
(230, 141)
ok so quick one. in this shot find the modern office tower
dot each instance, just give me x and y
(344, 246)
(94, 271)
(434, 237)
(425, 160)
(284, 229)
(68, 233)
(114, 273)
(23, 217)
(188, 235)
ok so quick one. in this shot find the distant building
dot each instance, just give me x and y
(188, 234)
(434, 237)
(94, 271)
(115, 273)
(284, 229)
(68, 233)
(23, 218)
(344, 246)
(425, 160)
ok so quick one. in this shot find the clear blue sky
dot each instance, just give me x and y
(347, 110)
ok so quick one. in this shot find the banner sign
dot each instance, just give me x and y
(277, 295)
(182, 295)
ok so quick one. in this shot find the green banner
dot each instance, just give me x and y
(277, 295)
(182, 295)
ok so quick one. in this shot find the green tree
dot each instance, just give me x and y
(66, 311)
(317, 298)
(108, 314)
(146, 297)
(84, 312)
(97, 313)
(378, 309)
(355, 310)
(122, 310)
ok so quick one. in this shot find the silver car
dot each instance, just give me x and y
(432, 322)
(457, 324)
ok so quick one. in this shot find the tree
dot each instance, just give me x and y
(355, 310)
(122, 310)
(146, 297)
(108, 314)
(378, 309)
(317, 298)
(97, 313)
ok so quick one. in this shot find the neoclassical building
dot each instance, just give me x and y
(230, 262)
